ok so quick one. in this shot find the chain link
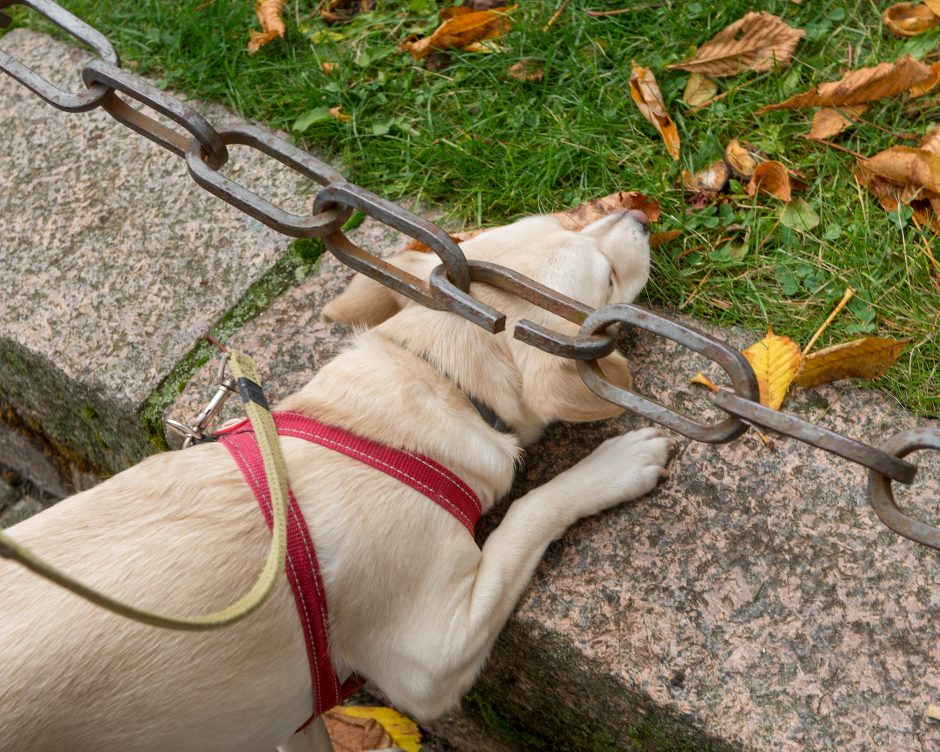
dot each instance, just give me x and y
(448, 288)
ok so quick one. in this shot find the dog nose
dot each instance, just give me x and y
(640, 218)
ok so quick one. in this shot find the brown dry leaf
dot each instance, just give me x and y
(775, 361)
(528, 71)
(462, 31)
(915, 170)
(584, 214)
(934, 6)
(338, 114)
(771, 177)
(649, 99)
(272, 25)
(862, 85)
(329, 68)
(829, 122)
(757, 42)
(350, 734)
(710, 181)
(865, 358)
(339, 11)
(887, 193)
(928, 84)
(699, 90)
(740, 160)
(909, 19)
(931, 141)
(660, 238)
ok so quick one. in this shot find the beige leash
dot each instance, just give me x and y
(246, 376)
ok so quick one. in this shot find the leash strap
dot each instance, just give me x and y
(248, 382)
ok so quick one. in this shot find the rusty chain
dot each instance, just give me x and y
(448, 289)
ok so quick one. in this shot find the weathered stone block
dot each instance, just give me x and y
(115, 262)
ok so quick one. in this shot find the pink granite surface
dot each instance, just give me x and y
(753, 600)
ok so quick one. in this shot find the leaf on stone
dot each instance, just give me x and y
(272, 24)
(775, 361)
(649, 99)
(398, 730)
(702, 380)
(528, 71)
(799, 215)
(740, 160)
(829, 121)
(699, 90)
(757, 42)
(771, 177)
(710, 181)
(909, 19)
(339, 11)
(928, 84)
(862, 85)
(865, 358)
(579, 217)
(463, 31)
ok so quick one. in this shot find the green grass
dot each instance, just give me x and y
(490, 148)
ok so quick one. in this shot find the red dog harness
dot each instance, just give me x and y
(421, 473)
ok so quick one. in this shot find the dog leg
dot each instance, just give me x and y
(622, 468)
(312, 739)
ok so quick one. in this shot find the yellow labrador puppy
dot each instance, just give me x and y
(415, 605)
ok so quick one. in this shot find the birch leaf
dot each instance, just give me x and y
(829, 122)
(775, 361)
(757, 42)
(771, 177)
(699, 90)
(865, 358)
(862, 85)
(909, 19)
(649, 99)
(272, 25)
(462, 30)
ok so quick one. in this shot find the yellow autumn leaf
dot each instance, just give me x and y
(404, 731)
(775, 360)
(702, 380)
(272, 24)
(865, 358)
(649, 99)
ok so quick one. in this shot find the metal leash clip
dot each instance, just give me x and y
(197, 433)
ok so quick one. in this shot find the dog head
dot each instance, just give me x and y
(606, 262)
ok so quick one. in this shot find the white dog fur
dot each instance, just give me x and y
(415, 605)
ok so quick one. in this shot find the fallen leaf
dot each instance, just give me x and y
(770, 177)
(337, 113)
(579, 217)
(710, 181)
(757, 42)
(829, 122)
(909, 19)
(799, 215)
(740, 160)
(775, 361)
(528, 71)
(915, 170)
(931, 141)
(649, 99)
(928, 84)
(699, 90)
(862, 85)
(660, 238)
(404, 732)
(865, 358)
(349, 734)
(887, 193)
(339, 11)
(703, 380)
(329, 68)
(462, 30)
(272, 25)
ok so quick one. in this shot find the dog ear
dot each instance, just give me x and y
(553, 389)
(366, 302)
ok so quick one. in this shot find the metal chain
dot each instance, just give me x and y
(448, 289)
